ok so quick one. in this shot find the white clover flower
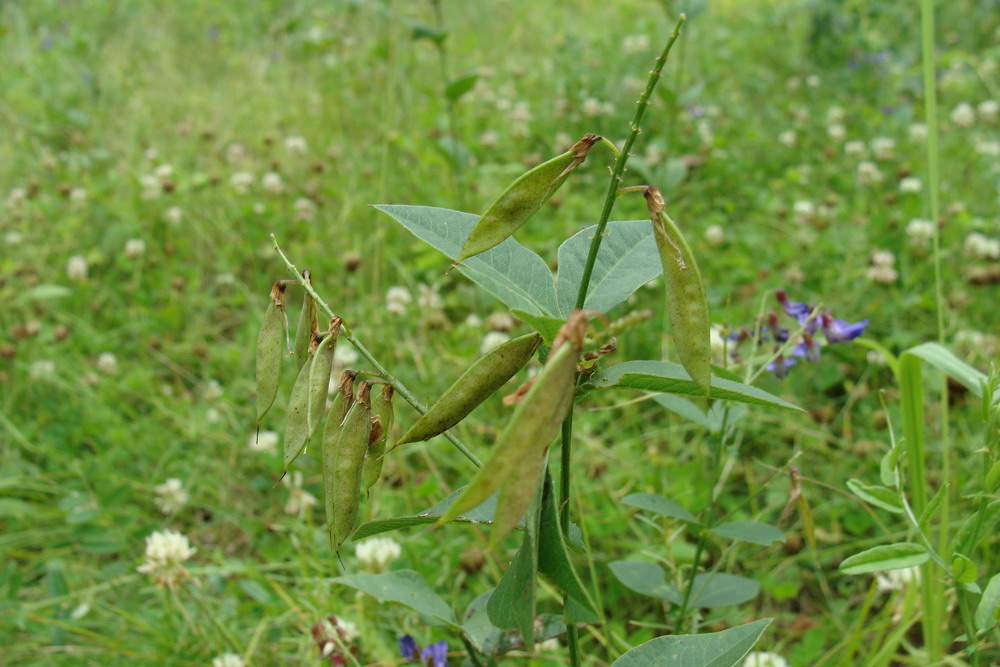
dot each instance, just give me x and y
(43, 368)
(804, 211)
(228, 660)
(875, 358)
(963, 115)
(489, 139)
(170, 496)
(717, 343)
(591, 107)
(163, 171)
(920, 231)
(988, 110)
(396, 299)
(296, 144)
(835, 115)
(235, 153)
(377, 553)
(348, 630)
(76, 267)
(472, 321)
(836, 132)
(135, 248)
(988, 147)
(12, 238)
(241, 181)
(428, 297)
(910, 184)
(884, 148)
(212, 390)
(305, 209)
(813, 80)
(883, 258)
(635, 43)
(980, 246)
(500, 322)
(174, 215)
(704, 129)
(492, 339)
(151, 186)
(715, 234)
(918, 132)
(764, 659)
(299, 500)
(787, 138)
(272, 183)
(882, 274)
(521, 113)
(107, 363)
(897, 580)
(16, 197)
(344, 356)
(869, 173)
(551, 644)
(263, 441)
(225, 279)
(793, 83)
(854, 148)
(166, 551)
(77, 194)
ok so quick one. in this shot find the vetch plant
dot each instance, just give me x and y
(599, 268)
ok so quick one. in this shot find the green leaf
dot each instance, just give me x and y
(429, 32)
(945, 361)
(476, 622)
(482, 514)
(512, 605)
(888, 557)
(510, 272)
(627, 260)
(659, 505)
(879, 496)
(460, 86)
(405, 587)
(553, 559)
(711, 589)
(670, 378)
(750, 531)
(711, 649)
(974, 529)
(712, 420)
(986, 616)
(963, 570)
(548, 327)
(934, 505)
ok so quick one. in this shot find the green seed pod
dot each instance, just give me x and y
(381, 408)
(474, 386)
(515, 495)
(269, 352)
(523, 198)
(687, 305)
(305, 406)
(533, 425)
(308, 324)
(331, 435)
(355, 434)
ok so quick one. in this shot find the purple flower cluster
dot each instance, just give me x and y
(435, 655)
(811, 320)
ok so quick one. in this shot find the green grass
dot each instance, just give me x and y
(98, 98)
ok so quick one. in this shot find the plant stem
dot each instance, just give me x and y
(619, 169)
(345, 331)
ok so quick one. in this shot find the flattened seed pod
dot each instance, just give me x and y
(533, 425)
(381, 408)
(687, 305)
(355, 434)
(305, 405)
(523, 198)
(308, 324)
(269, 352)
(331, 434)
(515, 495)
(474, 386)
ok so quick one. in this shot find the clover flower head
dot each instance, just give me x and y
(378, 552)
(170, 496)
(228, 660)
(764, 659)
(166, 552)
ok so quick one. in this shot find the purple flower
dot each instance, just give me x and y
(808, 348)
(435, 655)
(800, 311)
(780, 334)
(780, 366)
(841, 331)
(408, 647)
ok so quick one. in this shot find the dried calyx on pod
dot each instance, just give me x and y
(523, 198)
(381, 409)
(687, 304)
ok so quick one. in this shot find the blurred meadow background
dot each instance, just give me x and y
(147, 150)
